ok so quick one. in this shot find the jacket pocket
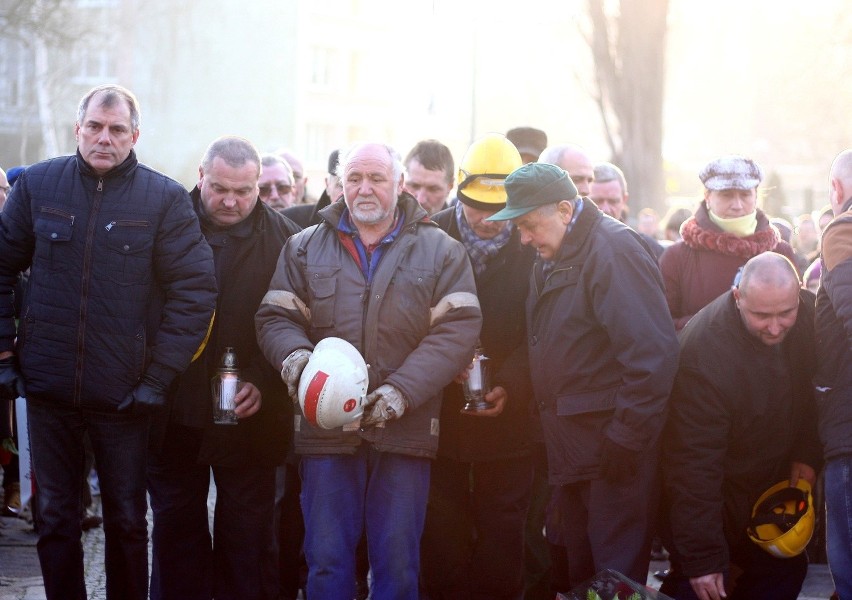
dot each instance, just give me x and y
(586, 402)
(575, 434)
(411, 294)
(323, 289)
(54, 229)
(128, 259)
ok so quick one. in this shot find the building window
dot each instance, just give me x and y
(94, 65)
(13, 71)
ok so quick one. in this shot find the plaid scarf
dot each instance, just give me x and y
(480, 251)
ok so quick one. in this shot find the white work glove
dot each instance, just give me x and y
(291, 370)
(385, 403)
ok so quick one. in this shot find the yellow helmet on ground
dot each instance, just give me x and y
(782, 519)
(482, 171)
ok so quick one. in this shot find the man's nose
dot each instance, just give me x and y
(103, 138)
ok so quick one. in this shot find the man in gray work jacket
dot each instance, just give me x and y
(382, 276)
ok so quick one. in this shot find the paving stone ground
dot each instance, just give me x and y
(20, 575)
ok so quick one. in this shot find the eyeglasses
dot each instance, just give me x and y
(282, 189)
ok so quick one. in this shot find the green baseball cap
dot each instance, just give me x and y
(533, 185)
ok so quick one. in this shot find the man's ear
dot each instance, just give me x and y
(566, 210)
(839, 193)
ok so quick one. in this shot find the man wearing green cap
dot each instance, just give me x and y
(603, 355)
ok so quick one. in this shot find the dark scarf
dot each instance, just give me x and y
(480, 251)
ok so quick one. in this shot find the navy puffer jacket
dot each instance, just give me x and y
(106, 253)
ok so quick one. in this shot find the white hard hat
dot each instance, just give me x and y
(333, 385)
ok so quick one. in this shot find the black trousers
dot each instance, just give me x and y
(240, 560)
(473, 541)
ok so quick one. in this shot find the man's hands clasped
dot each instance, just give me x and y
(385, 403)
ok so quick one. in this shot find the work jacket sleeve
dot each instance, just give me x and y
(282, 320)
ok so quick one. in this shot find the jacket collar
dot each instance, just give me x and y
(575, 237)
(255, 222)
(412, 212)
(121, 170)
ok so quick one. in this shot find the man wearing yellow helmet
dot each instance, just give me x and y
(491, 447)
(741, 419)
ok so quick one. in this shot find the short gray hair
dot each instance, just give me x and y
(346, 156)
(267, 160)
(235, 151)
(112, 94)
(605, 172)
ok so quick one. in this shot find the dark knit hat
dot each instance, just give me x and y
(13, 174)
(528, 140)
(332, 162)
(534, 185)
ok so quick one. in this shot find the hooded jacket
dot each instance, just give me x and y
(415, 325)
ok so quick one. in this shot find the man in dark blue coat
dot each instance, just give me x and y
(106, 238)
(246, 236)
(603, 355)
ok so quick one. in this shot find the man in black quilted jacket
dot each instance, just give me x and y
(121, 293)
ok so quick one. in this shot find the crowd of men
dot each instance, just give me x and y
(690, 390)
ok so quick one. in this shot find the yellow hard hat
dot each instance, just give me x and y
(482, 171)
(782, 519)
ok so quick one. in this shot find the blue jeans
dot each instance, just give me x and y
(120, 443)
(838, 503)
(343, 494)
